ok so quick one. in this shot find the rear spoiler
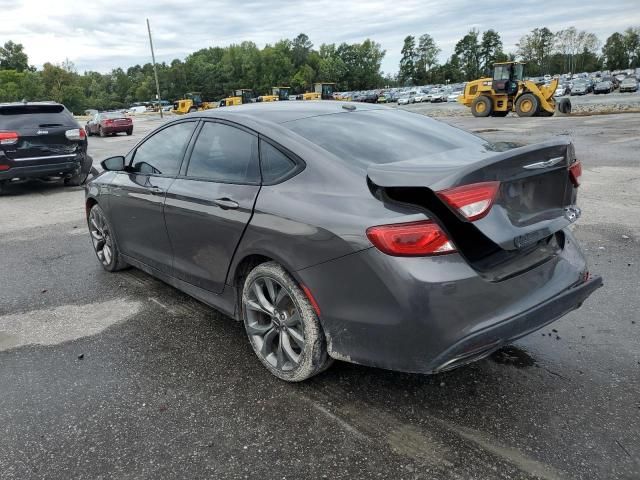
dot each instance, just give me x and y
(463, 166)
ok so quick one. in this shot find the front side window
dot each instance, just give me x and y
(162, 153)
(225, 154)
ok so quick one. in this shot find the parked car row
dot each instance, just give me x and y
(405, 96)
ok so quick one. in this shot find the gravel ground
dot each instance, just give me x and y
(121, 376)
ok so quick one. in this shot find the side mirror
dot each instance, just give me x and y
(113, 164)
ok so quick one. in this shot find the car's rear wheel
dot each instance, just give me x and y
(130, 131)
(281, 324)
(104, 243)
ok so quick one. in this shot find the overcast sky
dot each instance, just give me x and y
(105, 34)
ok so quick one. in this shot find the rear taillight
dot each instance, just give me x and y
(4, 167)
(415, 239)
(472, 201)
(75, 134)
(575, 172)
(9, 138)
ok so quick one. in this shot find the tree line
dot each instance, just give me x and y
(217, 71)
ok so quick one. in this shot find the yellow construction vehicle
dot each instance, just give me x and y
(277, 94)
(192, 102)
(321, 91)
(508, 91)
(240, 97)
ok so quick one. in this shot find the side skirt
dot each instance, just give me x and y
(225, 302)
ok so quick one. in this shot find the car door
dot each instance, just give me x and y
(137, 196)
(209, 205)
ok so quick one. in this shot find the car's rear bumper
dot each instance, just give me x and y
(51, 168)
(118, 129)
(483, 343)
(426, 315)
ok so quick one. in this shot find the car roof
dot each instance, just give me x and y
(285, 111)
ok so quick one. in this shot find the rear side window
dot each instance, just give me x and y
(274, 164)
(162, 153)
(34, 116)
(381, 136)
(225, 154)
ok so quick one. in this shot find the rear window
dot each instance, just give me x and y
(382, 136)
(19, 116)
(112, 115)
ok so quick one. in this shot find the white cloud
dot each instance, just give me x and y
(104, 34)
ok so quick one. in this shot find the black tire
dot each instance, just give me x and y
(527, 105)
(193, 109)
(130, 132)
(87, 130)
(77, 179)
(101, 132)
(289, 341)
(564, 106)
(481, 106)
(99, 227)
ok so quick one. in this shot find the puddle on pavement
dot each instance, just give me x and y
(512, 355)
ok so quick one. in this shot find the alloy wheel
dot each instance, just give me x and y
(274, 323)
(101, 237)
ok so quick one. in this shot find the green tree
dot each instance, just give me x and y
(407, 72)
(491, 50)
(427, 56)
(615, 52)
(469, 54)
(536, 49)
(12, 57)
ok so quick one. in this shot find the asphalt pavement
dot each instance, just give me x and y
(121, 376)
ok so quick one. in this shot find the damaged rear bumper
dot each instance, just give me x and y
(483, 343)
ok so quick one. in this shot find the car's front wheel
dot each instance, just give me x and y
(104, 243)
(282, 325)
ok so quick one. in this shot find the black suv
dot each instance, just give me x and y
(42, 140)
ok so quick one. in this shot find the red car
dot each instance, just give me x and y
(108, 123)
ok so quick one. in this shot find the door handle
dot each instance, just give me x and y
(156, 191)
(226, 203)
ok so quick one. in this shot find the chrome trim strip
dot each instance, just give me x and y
(43, 158)
(547, 163)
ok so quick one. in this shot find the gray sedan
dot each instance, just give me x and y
(350, 232)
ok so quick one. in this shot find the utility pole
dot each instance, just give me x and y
(155, 71)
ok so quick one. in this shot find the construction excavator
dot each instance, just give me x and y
(239, 97)
(277, 94)
(321, 91)
(508, 91)
(192, 102)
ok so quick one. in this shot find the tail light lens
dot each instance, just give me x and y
(4, 168)
(75, 134)
(575, 172)
(415, 239)
(9, 138)
(472, 201)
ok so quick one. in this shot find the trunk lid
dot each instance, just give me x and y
(536, 197)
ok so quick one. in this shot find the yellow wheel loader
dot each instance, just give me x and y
(508, 91)
(240, 97)
(321, 91)
(192, 102)
(277, 94)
